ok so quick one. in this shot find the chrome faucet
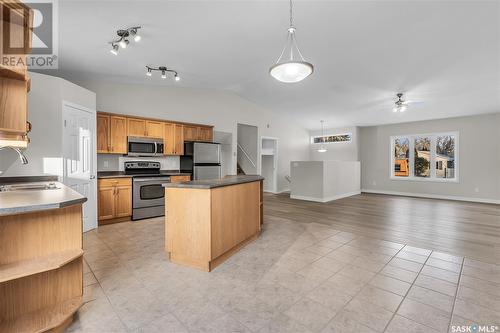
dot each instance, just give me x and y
(23, 158)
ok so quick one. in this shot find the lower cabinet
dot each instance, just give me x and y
(114, 199)
(179, 179)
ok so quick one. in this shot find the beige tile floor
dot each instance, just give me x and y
(295, 278)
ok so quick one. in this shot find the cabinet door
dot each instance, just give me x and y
(205, 134)
(179, 139)
(169, 139)
(106, 202)
(118, 135)
(154, 129)
(123, 201)
(190, 133)
(13, 105)
(136, 127)
(179, 179)
(103, 142)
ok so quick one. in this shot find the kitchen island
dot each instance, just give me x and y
(209, 220)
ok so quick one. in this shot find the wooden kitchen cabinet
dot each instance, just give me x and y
(180, 179)
(16, 20)
(173, 139)
(205, 134)
(102, 133)
(118, 135)
(123, 203)
(154, 129)
(136, 127)
(190, 133)
(114, 199)
(111, 134)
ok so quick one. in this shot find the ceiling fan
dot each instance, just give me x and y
(401, 105)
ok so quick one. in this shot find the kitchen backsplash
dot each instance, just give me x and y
(109, 162)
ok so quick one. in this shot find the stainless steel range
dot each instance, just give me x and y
(148, 195)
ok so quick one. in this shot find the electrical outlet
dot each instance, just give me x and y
(476, 190)
(106, 164)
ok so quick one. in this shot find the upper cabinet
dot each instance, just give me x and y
(16, 20)
(112, 132)
(103, 140)
(136, 127)
(206, 134)
(173, 139)
(190, 133)
(154, 129)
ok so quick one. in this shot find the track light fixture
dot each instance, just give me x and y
(163, 70)
(122, 38)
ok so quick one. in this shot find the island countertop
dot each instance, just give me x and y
(214, 183)
(22, 201)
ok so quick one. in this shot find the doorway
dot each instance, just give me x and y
(269, 163)
(79, 157)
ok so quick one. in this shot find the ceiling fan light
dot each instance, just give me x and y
(291, 71)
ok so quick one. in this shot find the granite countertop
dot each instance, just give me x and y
(120, 174)
(23, 201)
(213, 183)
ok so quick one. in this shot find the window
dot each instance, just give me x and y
(332, 138)
(425, 157)
(401, 157)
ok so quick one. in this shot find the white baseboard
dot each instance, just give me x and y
(433, 196)
(326, 199)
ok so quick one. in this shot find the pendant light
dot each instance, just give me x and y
(291, 66)
(322, 148)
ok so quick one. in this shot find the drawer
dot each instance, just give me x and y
(180, 179)
(123, 181)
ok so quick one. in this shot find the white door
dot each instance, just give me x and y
(79, 158)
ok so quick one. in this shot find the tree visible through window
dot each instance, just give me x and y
(430, 156)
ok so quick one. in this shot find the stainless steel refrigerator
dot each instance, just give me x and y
(202, 159)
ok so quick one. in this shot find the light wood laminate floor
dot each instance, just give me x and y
(463, 228)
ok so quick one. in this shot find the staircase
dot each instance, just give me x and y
(239, 170)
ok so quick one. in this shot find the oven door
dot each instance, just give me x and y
(148, 191)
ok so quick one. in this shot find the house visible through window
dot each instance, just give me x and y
(424, 157)
(332, 138)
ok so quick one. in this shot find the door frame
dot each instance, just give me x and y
(93, 172)
(274, 186)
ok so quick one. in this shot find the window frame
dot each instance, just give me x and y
(327, 143)
(432, 178)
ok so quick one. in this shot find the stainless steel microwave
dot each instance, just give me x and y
(144, 146)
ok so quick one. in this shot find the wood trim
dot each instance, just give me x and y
(153, 119)
(115, 220)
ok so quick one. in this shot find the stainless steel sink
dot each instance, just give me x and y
(28, 187)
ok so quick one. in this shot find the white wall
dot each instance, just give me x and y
(44, 152)
(222, 109)
(339, 151)
(479, 158)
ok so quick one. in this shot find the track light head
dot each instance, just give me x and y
(134, 34)
(177, 78)
(148, 73)
(163, 75)
(114, 49)
(123, 43)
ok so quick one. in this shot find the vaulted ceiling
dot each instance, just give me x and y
(445, 54)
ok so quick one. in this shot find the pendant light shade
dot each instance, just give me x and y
(291, 66)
